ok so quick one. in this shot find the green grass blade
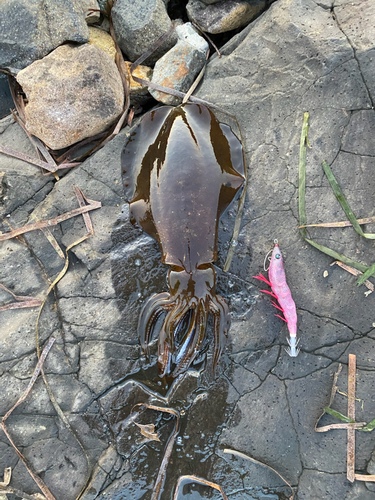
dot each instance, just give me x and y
(341, 198)
(370, 271)
(339, 415)
(369, 427)
(302, 174)
(338, 256)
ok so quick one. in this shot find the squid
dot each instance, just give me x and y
(181, 169)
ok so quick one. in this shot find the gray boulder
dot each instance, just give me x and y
(139, 24)
(224, 15)
(73, 93)
(178, 68)
(30, 29)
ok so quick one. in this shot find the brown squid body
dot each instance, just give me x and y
(181, 169)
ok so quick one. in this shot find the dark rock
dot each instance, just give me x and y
(22, 185)
(138, 25)
(73, 93)
(254, 428)
(225, 15)
(354, 141)
(317, 484)
(355, 21)
(30, 29)
(6, 101)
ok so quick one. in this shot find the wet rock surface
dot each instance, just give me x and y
(30, 29)
(261, 402)
(73, 93)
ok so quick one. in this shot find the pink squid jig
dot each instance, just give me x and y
(281, 292)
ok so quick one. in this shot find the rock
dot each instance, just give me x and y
(225, 15)
(6, 101)
(138, 25)
(139, 93)
(91, 8)
(103, 40)
(30, 29)
(293, 58)
(22, 185)
(100, 474)
(178, 68)
(73, 93)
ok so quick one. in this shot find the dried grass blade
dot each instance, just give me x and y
(21, 301)
(332, 396)
(304, 142)
(196, 81)
(247, 457)
(93, 205)
(7, 476)
(345, 223)
(68, 154)
(34, 161)
(47, 233)
(15, 89)
(38, 145)
(43, 487)
(83, 201)
(159, 483)
(198, 480)
(350, 463)
(205, 35)
(364, 477)
(48, 387)
(18, 493)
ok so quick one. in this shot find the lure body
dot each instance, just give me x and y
(281, 292)
(181, 168)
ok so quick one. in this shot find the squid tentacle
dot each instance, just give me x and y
(166, 335)
(194, 339)
(155, 305)
(219, 309)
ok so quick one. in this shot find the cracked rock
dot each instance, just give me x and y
(30, 29)
(178, 68)
(73, 93)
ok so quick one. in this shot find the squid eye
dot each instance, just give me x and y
(277, 256)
